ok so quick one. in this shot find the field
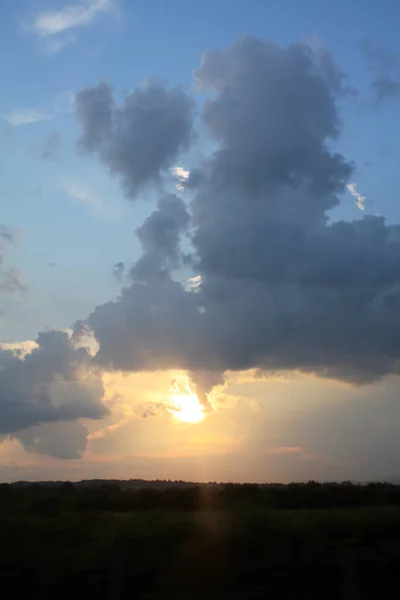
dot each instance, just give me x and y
(109, 541)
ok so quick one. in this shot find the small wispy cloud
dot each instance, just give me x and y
(6, 234)
(10, 280)
(63, 104)
(74, 15)
(384, 67)
(57, 28)
(25, 117)
(52, 147)
(359, 199)
(118, 271)
(83, 194)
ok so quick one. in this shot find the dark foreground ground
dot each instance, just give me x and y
(104, 542)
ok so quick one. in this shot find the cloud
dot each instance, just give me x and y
(63, 104)
(159, 237)
(204, 381)
(359, 198)
(57, 29)
(26, 117)
(193, 284)
(118, 271)
(21, 348)
(281, 287)
(80, 14)
(181, 176)
(53, 382)
(10, 280)
(52, 147)
(6, 234)
(139, 141)
(61, 440)
(384, 67)
(86, 196)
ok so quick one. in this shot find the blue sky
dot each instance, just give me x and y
(70, 218)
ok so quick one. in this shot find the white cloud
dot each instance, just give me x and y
(63, 104)
(358, 198)
(57, 29)
(87, 196)
(25, 117)
(80, 14)
(193, 284)
(180, 175)
(21, 348)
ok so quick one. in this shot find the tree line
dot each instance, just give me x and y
(119, 497)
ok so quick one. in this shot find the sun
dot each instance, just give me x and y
(187, 408)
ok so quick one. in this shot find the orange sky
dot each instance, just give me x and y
(278, 428)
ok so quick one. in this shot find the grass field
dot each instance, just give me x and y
(57, 546)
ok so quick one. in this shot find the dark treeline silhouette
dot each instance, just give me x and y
(154, 540)
(166, 495)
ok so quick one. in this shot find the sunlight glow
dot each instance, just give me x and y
(187, 408)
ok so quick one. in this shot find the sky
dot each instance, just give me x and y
(199, 240)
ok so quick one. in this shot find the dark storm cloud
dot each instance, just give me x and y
(54, 382)
(281, 287)
(140, 140)
(384, 67)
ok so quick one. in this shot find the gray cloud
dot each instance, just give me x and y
(54, 382)
(61, 440)
(204, 382)
(6, 234)
(152, 325)
(159, 237)
(282, 288)
(10, 280)
(140, 140)
(384, 67)
(118, 271)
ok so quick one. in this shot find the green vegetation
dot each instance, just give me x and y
(164, 540)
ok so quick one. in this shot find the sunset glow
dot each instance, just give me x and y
(187, 408)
